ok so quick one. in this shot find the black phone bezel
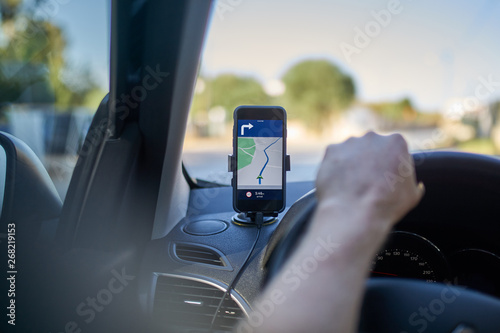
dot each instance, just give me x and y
(259, 113)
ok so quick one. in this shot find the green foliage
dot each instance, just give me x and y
(229, 91)
(478, 145)
(9, 9)
(32, 61)
(316, 90)
(495, 112)
(246, 152)
(428, 119)
(401, 111)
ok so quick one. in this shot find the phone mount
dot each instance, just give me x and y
(255, 217)
(251, 218)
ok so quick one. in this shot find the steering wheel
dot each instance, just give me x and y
(406, 305)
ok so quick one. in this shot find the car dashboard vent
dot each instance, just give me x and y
(199, 254)
(182, 304)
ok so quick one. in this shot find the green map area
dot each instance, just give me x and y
(246, 150)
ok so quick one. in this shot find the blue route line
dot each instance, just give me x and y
(261, 171)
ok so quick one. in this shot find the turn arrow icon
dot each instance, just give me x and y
(249, 126)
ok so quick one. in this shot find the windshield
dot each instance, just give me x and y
(425, 69)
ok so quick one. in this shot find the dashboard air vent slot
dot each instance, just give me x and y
(187, 304)
(199, 254)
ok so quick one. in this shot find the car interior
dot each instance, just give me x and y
(138, 245)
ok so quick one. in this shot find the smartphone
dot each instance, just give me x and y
(259, 148)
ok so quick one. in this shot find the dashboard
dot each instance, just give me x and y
(409, 255)
(183, 285)
(450, 237)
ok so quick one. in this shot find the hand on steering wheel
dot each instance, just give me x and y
(390, 305)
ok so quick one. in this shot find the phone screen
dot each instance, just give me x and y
(259, 164)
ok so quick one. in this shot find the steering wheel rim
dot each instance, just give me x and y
(386, 301)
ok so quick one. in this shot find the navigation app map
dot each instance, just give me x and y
(260, 157)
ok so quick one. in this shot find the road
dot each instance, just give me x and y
(267, 156)
(212, 165)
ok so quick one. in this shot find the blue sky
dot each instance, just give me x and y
(86, 27)
(430, 51)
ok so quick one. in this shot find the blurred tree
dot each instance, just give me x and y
(228, 91)
(396, 113)
(316, 90)
(201, 99)
(495, 112)
(9, 9)
(32, 64)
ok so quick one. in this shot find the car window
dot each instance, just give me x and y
(425, 69)
(53, 75)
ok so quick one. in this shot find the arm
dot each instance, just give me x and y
(364, 186)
